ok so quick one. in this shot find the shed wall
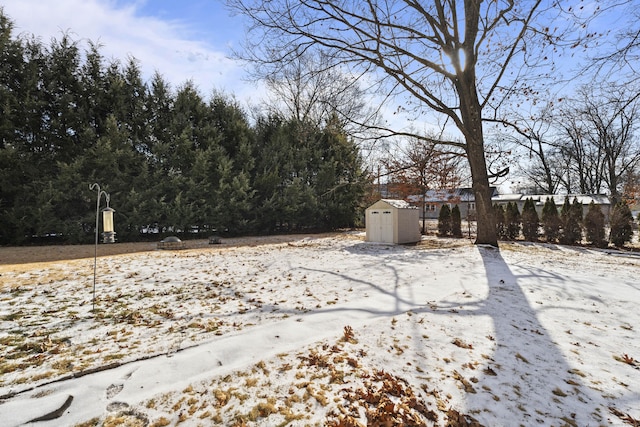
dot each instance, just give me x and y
(407, 226)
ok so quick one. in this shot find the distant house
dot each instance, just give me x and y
(433, 201)
(392, 221)
(465, 199)
(540, 199)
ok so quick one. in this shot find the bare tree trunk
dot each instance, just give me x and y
(471, 115)
(482, 190)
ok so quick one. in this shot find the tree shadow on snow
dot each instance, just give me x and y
(528, 376)
(526, 380)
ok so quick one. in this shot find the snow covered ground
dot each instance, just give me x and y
(325, 331)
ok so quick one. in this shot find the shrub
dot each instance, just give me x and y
(456, 222)
(512, 221)
(530, 221)
(571, 219)
(550, 220)
(444, 221)
(594, 226)
(498, 213)
(621, 225)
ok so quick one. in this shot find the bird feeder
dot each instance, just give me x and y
(108, 235)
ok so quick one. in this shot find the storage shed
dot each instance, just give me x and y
(392, 221)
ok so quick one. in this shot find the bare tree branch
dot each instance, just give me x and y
(449, 57)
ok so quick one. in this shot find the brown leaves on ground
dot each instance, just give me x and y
(456, 419)
(625, 358)
(349, 335)
(626, 418)
(465, 384)
(629, 360)
(388, 401)
(458, 342)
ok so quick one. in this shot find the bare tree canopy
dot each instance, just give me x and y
(619, 57)
(585, 144)
(600, 138)
(456, 58)
(310, 90)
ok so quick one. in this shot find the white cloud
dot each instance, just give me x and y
(121, 30)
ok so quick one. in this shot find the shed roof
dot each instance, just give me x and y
(396, 203)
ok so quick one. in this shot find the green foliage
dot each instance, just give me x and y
(444, 221)
(621, 224)
(551, 220)
(512, 221)
(456, 222)
(530, 221)
(499, 214)
(571, 220)
(594, 226)
(170, 160)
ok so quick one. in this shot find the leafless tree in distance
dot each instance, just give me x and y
(453, 58)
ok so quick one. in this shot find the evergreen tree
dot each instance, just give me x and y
(564, 237)
(578, 216)
(168, 160)
(444, 221)
(14, 159)
(456, 222)
(551, 220)
(235, 197)
(135, 118)
(498, 212)
(621, 224)
(94, 107)
(571, 219)
(594, 226)
(11, 69)
(62, 94)
(340, 183)
(512, 221)
(268, 173)
(530, 221)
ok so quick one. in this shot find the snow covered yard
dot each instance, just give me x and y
(325, 331)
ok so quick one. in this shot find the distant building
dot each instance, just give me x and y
(433, 201)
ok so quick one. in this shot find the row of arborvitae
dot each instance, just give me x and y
(568, 226)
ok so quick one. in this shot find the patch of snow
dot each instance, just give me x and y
(315, 331)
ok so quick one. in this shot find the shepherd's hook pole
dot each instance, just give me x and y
(95, 251)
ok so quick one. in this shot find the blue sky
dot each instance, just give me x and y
(186, 40)
(183, 40)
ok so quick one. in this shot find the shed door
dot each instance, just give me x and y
(382, 226)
